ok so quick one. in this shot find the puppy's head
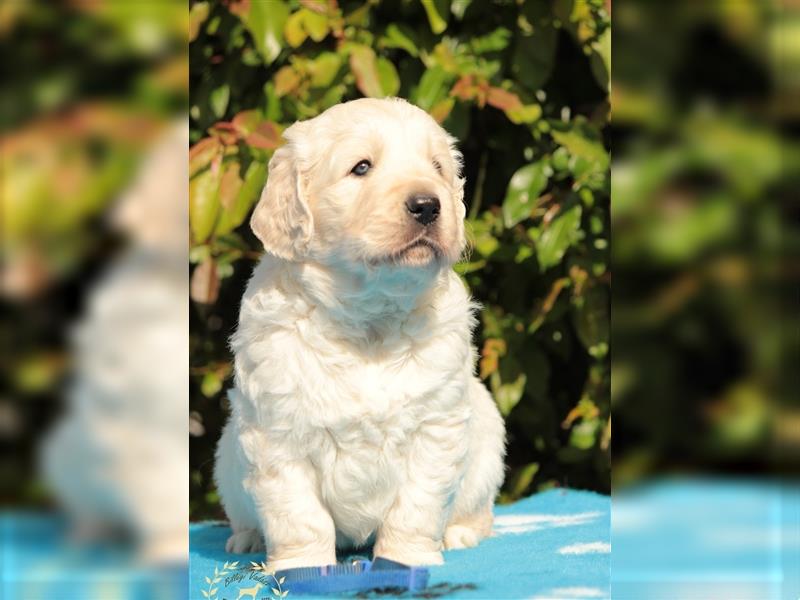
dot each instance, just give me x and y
(368, 182)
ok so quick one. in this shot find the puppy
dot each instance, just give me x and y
(356, 414)
(117, 459)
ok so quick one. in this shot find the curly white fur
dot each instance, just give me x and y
(357, 416)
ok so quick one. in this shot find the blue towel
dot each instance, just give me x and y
(551, 545)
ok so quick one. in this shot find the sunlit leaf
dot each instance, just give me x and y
(248, 193)
(503, 99)
(315, 24)
(400, 36)
(508, 395)
(433, 87)
(442, 109)
(203, 203)
(204, 289)
(197, 16)
(324, 69)
(266, 136)
(294, 30)
(388, 77)
(524, 188)
(364, 66)
(437, 11)
(524, 114)
(558, 237)
(218, 99)
(246, 121)
(523, 479)
(459, 7)
(491, 42)
(286, 81)
(601, 59)
(265, 22)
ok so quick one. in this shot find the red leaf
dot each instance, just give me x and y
(241, 8)
(323, 7)
(364, 66)
(246, 121)
(266, 136)
(205, 282)
(502, 99)
(202, 153)
(225, 132)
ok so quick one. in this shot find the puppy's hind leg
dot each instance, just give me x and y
(228, 475)
(471, 519)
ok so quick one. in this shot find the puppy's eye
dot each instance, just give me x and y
(438, 166)
(361, 168)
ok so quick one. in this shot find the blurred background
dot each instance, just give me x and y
(524, 87)
(705, 328)
(90, 96)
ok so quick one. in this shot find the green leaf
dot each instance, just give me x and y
(212, 383)
(400, 36)
(524, 188)
(601, 59)
(437, 11)
(524, 114)
(579, 144)
(218, 99)
(432, 88)
(591, 320)
(584, 434)
(197, 16)
(324, 69)
(203, 203)
(388, 77)
(534, 57)
(293, 31)
(235, 214)
(508, 395)
(265, 22)
(315, 24)
(558, 237)
(492, 42)
(459, 7)
(523, 479)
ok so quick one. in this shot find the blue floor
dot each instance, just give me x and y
(551, 545)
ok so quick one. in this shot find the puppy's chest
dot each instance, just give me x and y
(371, 405)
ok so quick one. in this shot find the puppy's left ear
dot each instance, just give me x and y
(458, 178)
(282, 219)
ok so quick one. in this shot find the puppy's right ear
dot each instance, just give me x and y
(282, 219)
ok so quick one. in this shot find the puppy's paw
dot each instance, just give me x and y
(245, 542)
(457, 537)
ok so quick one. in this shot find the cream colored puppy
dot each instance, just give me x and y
(357, 416)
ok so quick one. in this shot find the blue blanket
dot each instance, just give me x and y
(551, 545)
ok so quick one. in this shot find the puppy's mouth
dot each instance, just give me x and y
(420, 252)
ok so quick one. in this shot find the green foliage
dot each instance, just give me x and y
(523, 86)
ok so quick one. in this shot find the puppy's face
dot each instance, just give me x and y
(369, 182)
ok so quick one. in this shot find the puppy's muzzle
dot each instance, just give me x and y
(423, 208)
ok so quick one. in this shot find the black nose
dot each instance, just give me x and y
(424, 209)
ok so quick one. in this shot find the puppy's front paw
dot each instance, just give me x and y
(245, 542)
(457, 537)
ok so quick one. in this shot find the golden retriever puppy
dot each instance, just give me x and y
(118, 458)
(356, 413)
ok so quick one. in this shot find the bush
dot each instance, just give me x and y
(524, 87)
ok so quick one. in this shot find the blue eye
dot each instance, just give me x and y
(361, 168)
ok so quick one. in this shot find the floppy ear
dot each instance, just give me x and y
(458, 178)
(282, 219)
